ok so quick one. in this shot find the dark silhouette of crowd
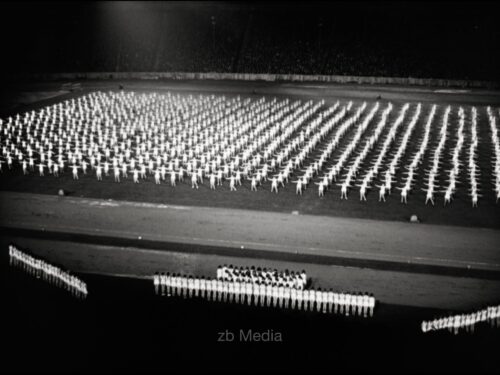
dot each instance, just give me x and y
(452, 42)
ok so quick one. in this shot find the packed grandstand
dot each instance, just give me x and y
(257, 38)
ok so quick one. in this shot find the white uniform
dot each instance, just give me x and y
(156, 283)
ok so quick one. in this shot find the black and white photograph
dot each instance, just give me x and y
(250, 187)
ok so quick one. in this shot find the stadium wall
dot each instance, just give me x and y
(259, 77)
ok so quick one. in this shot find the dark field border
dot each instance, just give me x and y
(254, 253)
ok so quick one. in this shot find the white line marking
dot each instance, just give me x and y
(128, 276)
(450, 91)
(90, 202)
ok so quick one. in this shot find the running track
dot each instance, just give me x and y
(277, 233)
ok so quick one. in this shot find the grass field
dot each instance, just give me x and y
(458, 213)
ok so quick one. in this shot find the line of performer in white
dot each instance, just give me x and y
(466, 322)
(206, 137)
(496, 152)
(386, 185)
(417, 159)
(49, 273)
(260, 294)
(433, 173)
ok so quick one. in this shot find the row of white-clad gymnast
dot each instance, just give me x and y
(496, 148)
(52, 274)
(256, 294)
(454, 323)
(290, 279)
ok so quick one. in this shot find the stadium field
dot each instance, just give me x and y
(454, 246)
(458, 213)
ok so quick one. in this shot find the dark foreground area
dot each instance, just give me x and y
(122, 326)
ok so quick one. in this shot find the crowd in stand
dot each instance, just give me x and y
(48, 272)
(258, 41)
(260, 294)
(455, 323)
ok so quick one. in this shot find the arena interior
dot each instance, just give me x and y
(355, 142)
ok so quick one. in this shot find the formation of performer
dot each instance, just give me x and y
(260, 294)
(466, 322)
(496, 149)
(52, 274)
(289, 279)
(266, 141)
